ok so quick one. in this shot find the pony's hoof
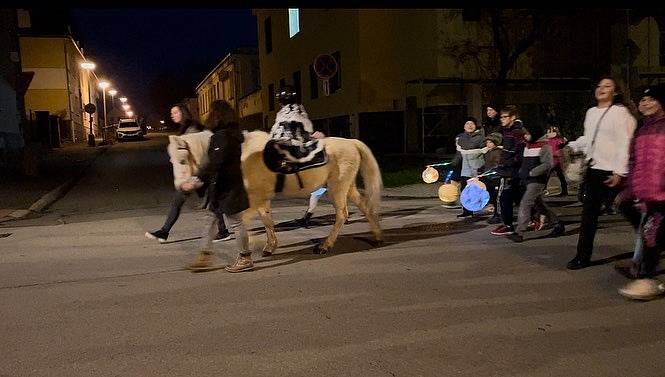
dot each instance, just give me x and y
(318, 249)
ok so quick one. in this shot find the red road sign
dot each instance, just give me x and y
(325, 66)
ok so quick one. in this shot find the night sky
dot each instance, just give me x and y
(157, 56)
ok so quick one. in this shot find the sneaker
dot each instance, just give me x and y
(642, 289)
(627, 268)
(203, 262)
(515, 237)
(158, 235)
(558, 230)
(534, 225)
(222, 237)
(241, 264)
(503, 230)
(494, 220)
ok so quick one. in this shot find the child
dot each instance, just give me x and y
(492, 156)
(556, 142)
(470, 145)
(533, 173)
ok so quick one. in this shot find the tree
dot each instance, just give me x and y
(514, 32)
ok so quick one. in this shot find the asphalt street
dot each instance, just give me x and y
(84, 293)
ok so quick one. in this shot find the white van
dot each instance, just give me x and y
(129, 129)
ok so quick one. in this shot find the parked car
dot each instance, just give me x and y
(129, 129)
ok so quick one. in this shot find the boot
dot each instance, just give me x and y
(304, 221)
(203, 261)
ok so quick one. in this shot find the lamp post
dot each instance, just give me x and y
(89, 67)
(123, 99)
(112, 92)
(103, 85)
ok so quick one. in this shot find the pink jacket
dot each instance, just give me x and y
(646, 178)
(555, 147)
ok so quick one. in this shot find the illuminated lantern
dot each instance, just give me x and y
(449, 192)
(430, 175)
(474, 197)
(476, 182)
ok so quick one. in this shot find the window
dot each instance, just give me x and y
(297, 86)
(336, 81)
(313, 83)
(271, 97)
(267, 30)
(294, 21)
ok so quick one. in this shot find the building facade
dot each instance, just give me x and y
(234, 80)
(407, 78)
(59, 85)
(12, 82)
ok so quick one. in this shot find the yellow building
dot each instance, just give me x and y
(408, 78)
(236, 80)
(59, 85)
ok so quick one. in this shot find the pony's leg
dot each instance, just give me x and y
(271, 238)
(372, 217)
(338, 195)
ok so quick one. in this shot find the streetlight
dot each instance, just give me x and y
(123, 99)
(130, 114)
(113, 92)
(125, 107)
(89, 67)
(103, 85)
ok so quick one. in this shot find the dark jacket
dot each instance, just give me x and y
(491, 125)
(513, 146)
(492, 159)
(536, 163)
(226, 191)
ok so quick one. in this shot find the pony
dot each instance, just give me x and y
(346, 159)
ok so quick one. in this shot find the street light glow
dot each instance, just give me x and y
(125, 107)
(104, 84)
(113, 92)
(123, 99)
(161, 121)
(130, 114)
(88, 65)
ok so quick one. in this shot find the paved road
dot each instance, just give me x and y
(83, 293)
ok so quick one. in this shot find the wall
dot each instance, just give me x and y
(322, 31)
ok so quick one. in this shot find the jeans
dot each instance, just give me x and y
(562, 179)
(596, 193)
(235, 224)
(178, 201)
(507, 192)
(532, 200)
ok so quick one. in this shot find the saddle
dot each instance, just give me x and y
(293, 151)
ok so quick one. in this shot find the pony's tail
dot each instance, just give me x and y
(369, 169)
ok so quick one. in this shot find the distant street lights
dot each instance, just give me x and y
(123, 99)
(89, 66)
(126, 107)
(130, 114)
(103, 85)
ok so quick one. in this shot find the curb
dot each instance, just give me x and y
(52, 196)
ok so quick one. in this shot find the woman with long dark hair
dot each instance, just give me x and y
(226, 195)
(608, 130)
(181, 116)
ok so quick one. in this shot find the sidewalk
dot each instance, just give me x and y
(59, 170)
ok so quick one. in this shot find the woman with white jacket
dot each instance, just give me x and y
(608, 130)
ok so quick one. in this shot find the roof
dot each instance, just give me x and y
(237, 51)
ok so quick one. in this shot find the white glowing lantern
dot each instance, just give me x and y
(430, 175)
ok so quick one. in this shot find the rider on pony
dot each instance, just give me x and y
(291, 136)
